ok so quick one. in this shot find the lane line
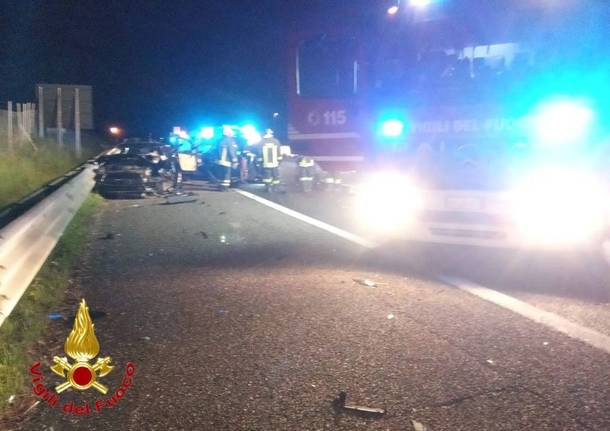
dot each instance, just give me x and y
(543, 317)
(546, 318)
(310, 220)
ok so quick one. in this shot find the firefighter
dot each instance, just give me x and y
(252, 156)
(226, 157)
(270, 156)
(306, 173)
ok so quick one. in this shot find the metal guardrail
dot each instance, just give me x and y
(16, 209)
(36, 224)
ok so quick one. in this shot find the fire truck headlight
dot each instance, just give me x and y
(563, 122)
(555, 207)
(420, 3)
(387, 202)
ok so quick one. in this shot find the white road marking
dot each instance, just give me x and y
(546, 318)
(310, 220)
(551, 320)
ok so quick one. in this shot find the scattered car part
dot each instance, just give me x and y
(180, 198)
(418, 426)
(340, 404)
(366, 282)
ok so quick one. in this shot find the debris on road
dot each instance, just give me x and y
(55, 316)
(180, 199)
(109, 235)
(366, 282)
(340, 405)
(146, 338)
(11, 399)
(204, 235)
(135, 206)
(490, 361)
(221, 213)
(31, 407)
(418, 426)
(391, 316)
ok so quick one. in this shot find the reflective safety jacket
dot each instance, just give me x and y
(226, 152)
(270, 153)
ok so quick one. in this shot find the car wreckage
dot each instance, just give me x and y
(137, 168)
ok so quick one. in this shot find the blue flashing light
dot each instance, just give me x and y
(248, 129)
(206, 133)
(250, 133)
(392, 128)
(563, 122)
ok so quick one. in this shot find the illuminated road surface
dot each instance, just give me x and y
(241, 317)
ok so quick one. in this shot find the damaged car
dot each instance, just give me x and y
(137, 168)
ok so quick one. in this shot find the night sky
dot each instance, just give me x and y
(158, 63)
(152, 63)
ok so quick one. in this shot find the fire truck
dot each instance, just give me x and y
(470, 122)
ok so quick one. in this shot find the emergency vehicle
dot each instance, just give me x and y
(480, 123)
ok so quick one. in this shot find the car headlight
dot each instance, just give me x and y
(555, 206)
(387, 202)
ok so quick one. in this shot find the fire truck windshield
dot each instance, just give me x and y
(451, 73)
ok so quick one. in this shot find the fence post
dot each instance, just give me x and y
(40, 111)
(26, 120)
(19, 114)
(30, 107)
(33, 119)
(77, 143)
(60, 135)
(10, 126)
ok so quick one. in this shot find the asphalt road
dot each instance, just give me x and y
(239, 317)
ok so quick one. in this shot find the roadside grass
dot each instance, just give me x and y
(26, 170)
(28, 321)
